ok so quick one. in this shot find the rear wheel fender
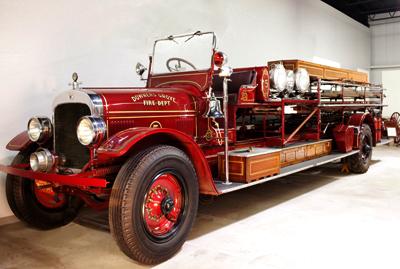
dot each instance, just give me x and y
(357, 120)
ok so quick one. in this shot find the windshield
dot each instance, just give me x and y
(183, 53)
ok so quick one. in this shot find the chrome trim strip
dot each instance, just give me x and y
(352, 105)
(149, 117)
(91, 99)
(151, 111)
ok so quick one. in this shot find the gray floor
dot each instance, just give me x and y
(316, 219)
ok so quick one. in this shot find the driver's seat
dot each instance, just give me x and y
(237, 80)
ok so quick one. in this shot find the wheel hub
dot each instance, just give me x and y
(367, 148)
(162, 205)
(167, 205)
(46, 196)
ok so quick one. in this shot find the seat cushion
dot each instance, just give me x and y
(237, 79)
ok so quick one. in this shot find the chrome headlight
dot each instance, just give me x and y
(278, 77)
(39, 129)
(302, 80)
(90, 130)
(290, 81)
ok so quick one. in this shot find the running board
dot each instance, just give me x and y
(285, 171)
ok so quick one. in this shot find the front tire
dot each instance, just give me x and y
(36, 203)
(153, 204)
(359, 163)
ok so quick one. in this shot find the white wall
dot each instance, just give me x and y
(43, 42)
(385, 61)
(385, 44)
(390, 79)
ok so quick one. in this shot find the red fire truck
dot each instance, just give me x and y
(198, 127)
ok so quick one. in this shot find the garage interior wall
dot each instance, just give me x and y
(43, 42)
(385, 61)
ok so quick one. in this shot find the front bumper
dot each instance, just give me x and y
(87, 179)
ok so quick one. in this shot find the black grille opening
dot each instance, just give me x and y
(66, 118)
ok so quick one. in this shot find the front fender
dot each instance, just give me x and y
(20, 142)
(125, 141)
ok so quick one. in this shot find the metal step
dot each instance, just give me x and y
(285, 171)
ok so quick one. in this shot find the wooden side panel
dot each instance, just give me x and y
(297, 154)
(358, 76)
(331, 73)
(247, 169)
(263, 166)
(236, 167)
(314, 70)
(323, 71)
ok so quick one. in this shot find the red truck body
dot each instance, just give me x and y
(172, 110)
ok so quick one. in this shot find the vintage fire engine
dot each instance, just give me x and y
(147, 153)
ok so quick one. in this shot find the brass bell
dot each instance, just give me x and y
(214, 108)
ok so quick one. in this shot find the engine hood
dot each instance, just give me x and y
(123, 108)
(145, 100)
(106, 102)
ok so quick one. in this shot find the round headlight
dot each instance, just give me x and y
(39, 129)
(42, 160)
(34, 162)
(278, 77)
(302, 80)
(289, 80)
(90, 130)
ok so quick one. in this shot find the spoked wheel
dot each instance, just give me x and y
(395, 117)
(153, 204)
(359, 163)
(395, 120)
(36, 203)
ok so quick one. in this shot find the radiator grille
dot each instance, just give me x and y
(66, 118)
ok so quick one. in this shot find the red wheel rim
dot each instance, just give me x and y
(46, 196)
(163, 205)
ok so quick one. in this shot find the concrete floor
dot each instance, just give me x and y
(316, 219)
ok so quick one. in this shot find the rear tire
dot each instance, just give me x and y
(359, 163)
(153, 204)
(27, 206)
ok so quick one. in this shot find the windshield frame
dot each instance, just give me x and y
(189, 35)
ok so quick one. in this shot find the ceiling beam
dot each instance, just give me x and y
(381, 10)
(349, 11)
(357, 3)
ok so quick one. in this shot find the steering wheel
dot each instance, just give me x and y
(176, 67)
